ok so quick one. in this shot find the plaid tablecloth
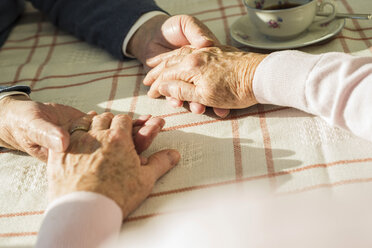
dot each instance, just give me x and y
(277, 149)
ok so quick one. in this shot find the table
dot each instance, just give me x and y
(278, 149)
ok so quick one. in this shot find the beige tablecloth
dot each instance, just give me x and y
(277, 149)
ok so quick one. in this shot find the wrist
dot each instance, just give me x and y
(249, 65)
(8, 100)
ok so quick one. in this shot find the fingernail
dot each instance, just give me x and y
(175, 103)
(144, 117)
(224, 115)
(162, 123)
(173, 157)
(196, 108)
(92, 112)
(145, 81)
(207, 38)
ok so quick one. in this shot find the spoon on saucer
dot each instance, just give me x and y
(350, 16)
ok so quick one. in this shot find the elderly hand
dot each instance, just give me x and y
(104, 160)
(35, 127)
(215, 76)
(162, 34)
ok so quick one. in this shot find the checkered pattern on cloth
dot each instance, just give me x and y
(283, 150)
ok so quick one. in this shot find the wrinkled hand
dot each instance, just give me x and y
(163, 34)
(104, 160)
(215, 76)
(35, 127)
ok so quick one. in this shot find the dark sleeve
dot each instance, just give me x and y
(104, 23)
(25, 89)
(10, 10)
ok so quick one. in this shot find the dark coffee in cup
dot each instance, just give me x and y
(282, 6)
(286, 19)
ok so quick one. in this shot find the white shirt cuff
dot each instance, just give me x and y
(80, 219)
(11, 93)
(144, 18)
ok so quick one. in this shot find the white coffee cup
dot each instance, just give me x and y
(286, 23)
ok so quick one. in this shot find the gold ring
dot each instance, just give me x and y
(79, 128)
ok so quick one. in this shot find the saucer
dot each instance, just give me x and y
(244, 32)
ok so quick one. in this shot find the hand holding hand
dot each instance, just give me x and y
(163, 34)
(35, 127)
(219, 77)
(104, 160)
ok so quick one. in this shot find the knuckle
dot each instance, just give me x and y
(106, 115)
(179, 94)
(194, 60)
(124, 117)
(116, 136)
(184, 50)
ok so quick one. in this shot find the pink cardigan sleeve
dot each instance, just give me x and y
(334, 86)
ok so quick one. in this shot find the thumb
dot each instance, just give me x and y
(161, 162)
(184, 30)
(197, 33)
(48, 135)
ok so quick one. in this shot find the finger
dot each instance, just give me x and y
(48, 135)
(141, 120)
(187, 30)
(92, 112)
(221, 112)
(135, 130)
(84, 121)
(177, 53)
(144, 137)
(175, 103)
(174, 73)
(154, 90)
(146, 134)
(154, 121)
(184, 71)
(197, 108)
(197, 33)
(161, 162)
(80, 126)
(154, 73)
(123, 123)
(178, 89)
(102, 121)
